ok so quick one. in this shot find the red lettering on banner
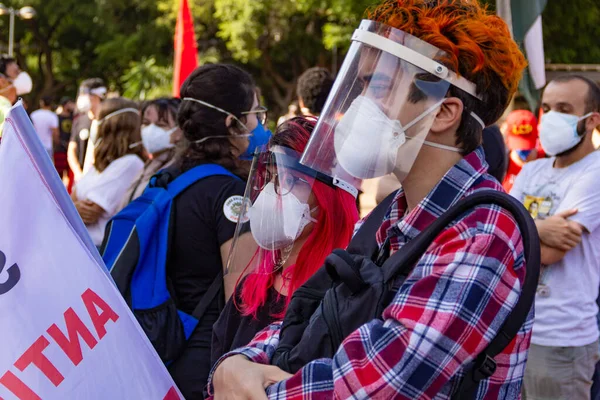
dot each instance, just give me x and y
(172, 395)
(17, 387)
(70, 345)
(33, 355)
(75, 329)
(91, 300)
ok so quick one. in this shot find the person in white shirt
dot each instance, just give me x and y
(97, 196)
(45, 122)
(91, 94)
(563, 195)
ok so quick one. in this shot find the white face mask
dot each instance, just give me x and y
(366, 141)
(23, 83)
(156, 139)
(84, 103)
(277, 221)
(558, 132)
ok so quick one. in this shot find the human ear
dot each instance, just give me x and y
(448, 116)
(594, 121)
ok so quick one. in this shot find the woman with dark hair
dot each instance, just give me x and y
(292, 244)
(98, 194)
(160, 134)
(219, 109)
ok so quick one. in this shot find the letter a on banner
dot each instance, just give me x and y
(66, 331)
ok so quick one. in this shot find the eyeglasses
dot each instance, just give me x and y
(261, 114)
(284, 182)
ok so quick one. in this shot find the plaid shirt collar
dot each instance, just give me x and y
(455, 184)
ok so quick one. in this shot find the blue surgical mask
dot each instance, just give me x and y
(260, 137)
(523, 154)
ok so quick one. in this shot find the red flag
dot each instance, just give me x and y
(186, 52)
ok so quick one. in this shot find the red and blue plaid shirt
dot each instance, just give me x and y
(446, 312)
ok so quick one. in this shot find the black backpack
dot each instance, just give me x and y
(351, 290)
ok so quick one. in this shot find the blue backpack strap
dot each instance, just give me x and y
(193, 175)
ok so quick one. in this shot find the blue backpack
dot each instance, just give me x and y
(136, 249)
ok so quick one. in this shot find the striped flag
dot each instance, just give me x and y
(524, 17)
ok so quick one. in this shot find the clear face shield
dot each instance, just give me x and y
(381, 107)
(278, 213)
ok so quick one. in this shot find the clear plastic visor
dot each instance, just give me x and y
(381, 107)
(278, 211)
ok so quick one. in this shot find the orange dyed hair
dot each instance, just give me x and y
(478, 46)
(476, 42)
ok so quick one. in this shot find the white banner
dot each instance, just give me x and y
(66, 331)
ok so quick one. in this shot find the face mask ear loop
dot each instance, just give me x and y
(419, 118)
(216, 108)
(221, 137)
(583, 118)
(310, 217)
(422, 115)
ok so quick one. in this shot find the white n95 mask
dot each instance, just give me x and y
(277, 221)
(558, 132)
(156, 139)
(367, 141)
(23, 83)
(84, 103)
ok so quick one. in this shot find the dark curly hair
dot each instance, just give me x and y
(227, 87)
(314, 86)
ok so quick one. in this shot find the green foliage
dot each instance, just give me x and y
(145, 80)
(572, 31)
(278, 39)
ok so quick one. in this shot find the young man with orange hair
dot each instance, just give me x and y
(420, 82)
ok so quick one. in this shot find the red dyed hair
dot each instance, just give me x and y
(333, 229)
(478, 46)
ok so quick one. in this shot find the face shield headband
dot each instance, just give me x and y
(99, 91)
(407, 54)
(293, 163)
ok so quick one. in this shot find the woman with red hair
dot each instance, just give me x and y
(298, 216)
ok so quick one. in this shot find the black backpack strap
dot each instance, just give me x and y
(485, 365)
(404, 259)
(213, 290)
(364, 242)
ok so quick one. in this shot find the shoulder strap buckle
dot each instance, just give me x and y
(485, 367)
